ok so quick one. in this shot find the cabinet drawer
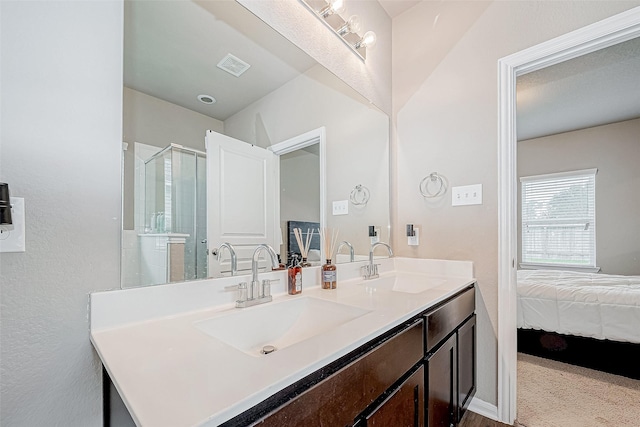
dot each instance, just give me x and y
(339, 399)
(443, 320)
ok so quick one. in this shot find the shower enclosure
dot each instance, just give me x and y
(176, 207)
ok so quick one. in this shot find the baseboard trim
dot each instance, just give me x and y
(483, 408)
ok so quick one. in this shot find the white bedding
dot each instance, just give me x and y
(601, 306)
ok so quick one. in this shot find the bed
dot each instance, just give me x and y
(601, 306)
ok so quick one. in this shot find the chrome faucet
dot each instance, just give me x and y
(352, 256)
(232, 252)
(370, 271)
(255, 294)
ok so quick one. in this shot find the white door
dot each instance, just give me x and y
(242, 200)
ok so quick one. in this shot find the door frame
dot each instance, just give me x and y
(315, 136)
(602, 34)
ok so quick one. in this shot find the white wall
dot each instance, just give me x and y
(615, 150)
(449, 125)
(156, 122)
(372, 78)
(356, 149)
(61, 80)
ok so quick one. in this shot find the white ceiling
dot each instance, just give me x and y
(171, 50)
(599, 88)
(396, 7)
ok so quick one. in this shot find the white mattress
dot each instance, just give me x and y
(601, 306)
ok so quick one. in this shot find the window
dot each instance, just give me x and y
(559, 219)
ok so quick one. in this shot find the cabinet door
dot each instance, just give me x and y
(441, 385)
(466, 364)
(404, 407)
(340, 398)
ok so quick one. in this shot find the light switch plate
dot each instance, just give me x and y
(13, 240)
(341, 207)
(466, 195)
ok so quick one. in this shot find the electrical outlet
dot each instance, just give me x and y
(13, 240)
(466, 195)
(341, 207)
(415, 239)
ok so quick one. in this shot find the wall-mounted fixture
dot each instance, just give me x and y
(329, 12)
(433, 185)
(413, 235)
(11, 221)
(410, 230)
(359, 195)
(6, 221)
(374, 236)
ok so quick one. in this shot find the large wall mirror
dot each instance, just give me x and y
(192, 67)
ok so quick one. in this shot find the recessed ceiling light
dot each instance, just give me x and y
(207, 99)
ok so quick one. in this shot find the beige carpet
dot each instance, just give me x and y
(555, 394)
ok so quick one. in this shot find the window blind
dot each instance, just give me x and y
(559, 219)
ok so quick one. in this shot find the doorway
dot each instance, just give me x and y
(617, 29)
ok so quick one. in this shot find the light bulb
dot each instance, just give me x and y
(337, 6)
(351, 26)
(367, 41)
(334, 6)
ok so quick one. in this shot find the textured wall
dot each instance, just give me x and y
(61, 146)
(615, 150)
(449, 125)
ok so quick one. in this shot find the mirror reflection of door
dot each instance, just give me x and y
(241, 200)
(301, 193)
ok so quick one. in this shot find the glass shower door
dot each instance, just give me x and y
(189, 209)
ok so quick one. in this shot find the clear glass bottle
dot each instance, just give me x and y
(294, 277)
(329, 276)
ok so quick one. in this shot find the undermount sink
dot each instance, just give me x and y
(410, 283)
(280, 324)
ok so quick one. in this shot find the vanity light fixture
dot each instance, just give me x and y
(329, 12)
(368, 40)
(333, 6)
(352, 25)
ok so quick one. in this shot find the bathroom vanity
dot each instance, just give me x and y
(400, 347)
(383, 381)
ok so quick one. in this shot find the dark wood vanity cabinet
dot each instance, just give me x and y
(404, 407)
(466, 336)
(450, 360)
(341, 398)
(421, 373)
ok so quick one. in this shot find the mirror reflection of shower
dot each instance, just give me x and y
(170, 217)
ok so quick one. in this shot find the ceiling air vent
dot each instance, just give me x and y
(233, 65)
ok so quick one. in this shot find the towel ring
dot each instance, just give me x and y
(359, 195)
(433, 185)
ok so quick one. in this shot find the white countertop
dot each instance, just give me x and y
(170, 373)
